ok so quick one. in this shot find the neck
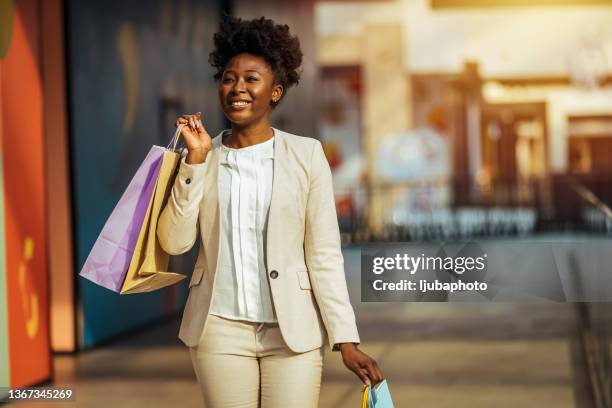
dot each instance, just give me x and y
(249, 135)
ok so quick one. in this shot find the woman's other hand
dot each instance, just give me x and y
(196, 138)
(361, 364)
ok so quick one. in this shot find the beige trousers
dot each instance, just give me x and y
(241, 364)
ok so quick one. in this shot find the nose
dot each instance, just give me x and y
(239, 86)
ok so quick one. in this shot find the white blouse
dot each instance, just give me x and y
(242, 290)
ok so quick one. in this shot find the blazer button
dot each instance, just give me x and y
(188, 181)
(274, 274)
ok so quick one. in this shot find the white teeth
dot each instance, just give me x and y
(240, 103)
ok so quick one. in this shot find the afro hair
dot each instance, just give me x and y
(261, 37)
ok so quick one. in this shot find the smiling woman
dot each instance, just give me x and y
(277, 48)
(247, 91)
(269, 288)
(256, 62)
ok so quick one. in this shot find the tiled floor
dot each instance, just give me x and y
(433, 354)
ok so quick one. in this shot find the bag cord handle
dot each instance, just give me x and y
(175, 138)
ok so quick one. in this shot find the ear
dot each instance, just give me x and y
(277, 92)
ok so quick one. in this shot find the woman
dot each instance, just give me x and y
(268, 286)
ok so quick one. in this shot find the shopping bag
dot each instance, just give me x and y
(377, 396)
(127, 230)
(148, 269)
(111, 254)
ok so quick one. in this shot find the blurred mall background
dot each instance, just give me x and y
(441, 120)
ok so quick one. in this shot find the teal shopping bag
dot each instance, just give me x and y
(377, 396)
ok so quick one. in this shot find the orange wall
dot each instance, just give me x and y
(24, 201)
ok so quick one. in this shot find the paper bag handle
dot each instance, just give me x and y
(175, 138)
(365, 397)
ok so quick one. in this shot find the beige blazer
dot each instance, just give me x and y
(304, 261)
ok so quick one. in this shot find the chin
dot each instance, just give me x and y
(239, 118)
(239, 121)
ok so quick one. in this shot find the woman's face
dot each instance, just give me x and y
(247, 88)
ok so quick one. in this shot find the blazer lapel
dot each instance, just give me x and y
(281, 170)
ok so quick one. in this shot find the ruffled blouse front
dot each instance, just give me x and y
(242, 290)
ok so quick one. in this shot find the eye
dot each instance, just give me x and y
(227, 80)
(252, 78)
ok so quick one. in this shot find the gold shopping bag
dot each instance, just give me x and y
(365, 396)
(148, 268)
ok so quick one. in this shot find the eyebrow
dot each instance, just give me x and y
(246, 70)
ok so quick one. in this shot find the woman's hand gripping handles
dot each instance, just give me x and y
(196, 138)
(364, 366)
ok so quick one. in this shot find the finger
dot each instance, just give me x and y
(374, 372)
(379, 375)
(200, 127)
(362, 375)
(180, 121)
(371, 372)
(187, 131)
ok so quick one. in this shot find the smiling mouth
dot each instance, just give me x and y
(238, 105)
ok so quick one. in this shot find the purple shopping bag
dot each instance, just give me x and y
(110, 257)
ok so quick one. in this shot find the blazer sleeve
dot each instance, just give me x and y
(178, 223)
(324, 256)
